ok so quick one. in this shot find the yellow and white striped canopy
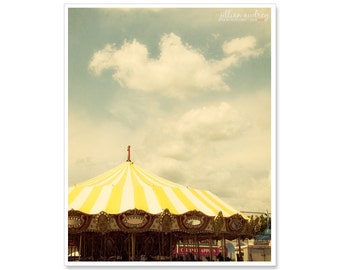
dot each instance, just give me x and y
(128, 186)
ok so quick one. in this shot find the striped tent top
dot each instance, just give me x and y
(128, 186)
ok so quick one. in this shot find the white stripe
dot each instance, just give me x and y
(128, 198)
(153, 204)
(157, 180)
(176, 202)
(167, 188)
(102, 178)
(80, 199)
(117, 179)
(197, 203)
(151, 198)
(233, 210)
(102, 201)
(225, 214)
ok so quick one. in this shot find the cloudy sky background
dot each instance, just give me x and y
(188, 89)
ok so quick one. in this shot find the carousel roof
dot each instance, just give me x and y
(128, 186)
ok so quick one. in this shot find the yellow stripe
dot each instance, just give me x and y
(223, 208)
(142, 177)
(138, 190)
(181, 196)
(156, 179)
(90, 200)
(78, 188)
(113, 205)
(205, 202)
(163, 199)
(159, 192)
(106, 182)
(73, 194)
(102, 177)
(184, 199)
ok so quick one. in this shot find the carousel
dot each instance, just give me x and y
(130, 214)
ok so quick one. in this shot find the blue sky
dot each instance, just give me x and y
(188, 88)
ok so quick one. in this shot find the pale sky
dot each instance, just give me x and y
(189, 89)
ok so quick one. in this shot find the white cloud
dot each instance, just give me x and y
(244, 46)
(221, 122)
(179, 71)
(102, 60)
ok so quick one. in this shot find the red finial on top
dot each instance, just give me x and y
(128, 149)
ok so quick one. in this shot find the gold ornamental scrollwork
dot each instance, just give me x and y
(134, 220)
(165, 220)
(253, 226)
(218, 223)
(193, 221)
(103, 222)
(77, 221)
(236, 223)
